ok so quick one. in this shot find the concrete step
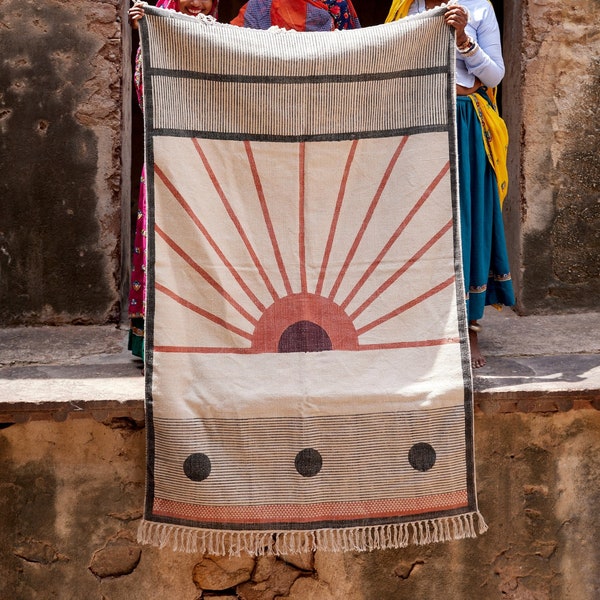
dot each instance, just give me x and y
(542, 363)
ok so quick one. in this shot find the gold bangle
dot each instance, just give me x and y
(466, 45)
(470, 52)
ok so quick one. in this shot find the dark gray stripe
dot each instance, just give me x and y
(296, 79)
(329, 137)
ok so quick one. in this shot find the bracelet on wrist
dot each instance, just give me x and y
(468, 48)
(465, 45)
(469, 51)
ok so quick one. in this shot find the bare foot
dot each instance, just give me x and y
(477, 359)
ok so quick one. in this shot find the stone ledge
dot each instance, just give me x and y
(554, 383)
(65, 372)
(126, 414)
(535, 365)
(535, 402)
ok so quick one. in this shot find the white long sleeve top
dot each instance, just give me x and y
(487, 63)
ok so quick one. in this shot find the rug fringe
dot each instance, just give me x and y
(359, 539)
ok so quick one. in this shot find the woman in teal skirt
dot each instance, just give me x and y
(482, 145)
(485, 260)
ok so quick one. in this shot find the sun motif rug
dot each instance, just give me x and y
(308, 382)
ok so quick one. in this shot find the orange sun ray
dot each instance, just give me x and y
(205, 275)
(301, 221)
(188, 209)
(404, 307)
(367, 218)
(335, 218)
(390, 280)
(204, 313)
(412, 344)
(267, 217)
(203, 350)
(236, 221)
(395, 235)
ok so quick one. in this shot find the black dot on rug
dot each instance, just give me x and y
(197, 466)
(421, 457)
(308, 462)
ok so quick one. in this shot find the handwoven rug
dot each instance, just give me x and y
(308, 382)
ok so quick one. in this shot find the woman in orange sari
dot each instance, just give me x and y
(300, 15)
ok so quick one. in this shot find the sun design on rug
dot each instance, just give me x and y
(363, 240)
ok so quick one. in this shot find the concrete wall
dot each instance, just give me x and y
(551, 102)
(60, 124)
(71, 495)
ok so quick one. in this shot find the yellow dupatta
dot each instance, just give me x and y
(493, 127)
(495, 138)
(398, 10)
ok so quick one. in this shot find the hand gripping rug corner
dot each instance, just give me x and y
(308, 382)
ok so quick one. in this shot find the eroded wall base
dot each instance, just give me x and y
(72, 496)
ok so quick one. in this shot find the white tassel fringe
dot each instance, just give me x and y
(359, 539)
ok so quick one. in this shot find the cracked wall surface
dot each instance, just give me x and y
(60, 153)
(71, 496)
(559, 179)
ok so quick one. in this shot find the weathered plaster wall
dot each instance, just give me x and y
(511, 93)
(71, 495)
(59, 150)
(560, 169)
